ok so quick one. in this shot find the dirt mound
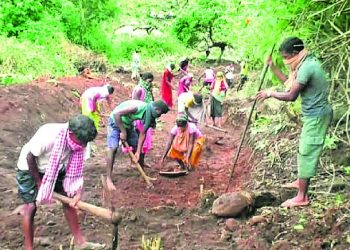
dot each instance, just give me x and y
(168, 210)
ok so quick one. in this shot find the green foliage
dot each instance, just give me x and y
(152, 243)
(298, 227)
(346, 170)
(22, 61)
(330, 142)
(91, 14)
(45, 32)
(39, 20)
(301, 223)
(204, 20)
(339, 199)
(48, 23)
(150, 47)
(15, 15)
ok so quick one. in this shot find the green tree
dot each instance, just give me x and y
(18, 16)
(91, 14)
(203, 26)
(15, 14)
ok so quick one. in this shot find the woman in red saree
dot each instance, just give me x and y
(166, 92)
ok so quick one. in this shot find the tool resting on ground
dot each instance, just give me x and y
(138, 166)
(248, 122)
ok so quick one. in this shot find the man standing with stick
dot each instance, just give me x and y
(53, 161)
(307, 79)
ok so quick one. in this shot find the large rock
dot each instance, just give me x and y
(232, 204)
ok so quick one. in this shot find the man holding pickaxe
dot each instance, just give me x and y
(121, 127)
(53, 160)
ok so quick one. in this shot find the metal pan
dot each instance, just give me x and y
(171, 174)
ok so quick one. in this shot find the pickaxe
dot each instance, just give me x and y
(138, 166)
(110, 215)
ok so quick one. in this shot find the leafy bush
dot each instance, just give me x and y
(155, 47)
(18, 63)
(22, 61)
(43, 32)
(41, 28)
(38, 19)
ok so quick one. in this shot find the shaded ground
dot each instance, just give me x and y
(170, 210)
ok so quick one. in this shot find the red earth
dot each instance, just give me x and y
(171, 210)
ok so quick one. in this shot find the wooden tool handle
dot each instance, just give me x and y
(101, 212)
(138, 166)
(216, 128)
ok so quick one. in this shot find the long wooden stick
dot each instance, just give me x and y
(216, 128)
(248, 122)
(210, 126)
(138, 166)
(104, 213)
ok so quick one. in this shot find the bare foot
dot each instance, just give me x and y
(294, 184)
(296, 202)
(110, 185)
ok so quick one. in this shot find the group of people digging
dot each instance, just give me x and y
(215, 82)
(53, 159)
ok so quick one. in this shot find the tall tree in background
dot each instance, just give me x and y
(75, 18)
(203, 25)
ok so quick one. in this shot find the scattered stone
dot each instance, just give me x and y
(232, 204)
(43, 241)
(53, 82)
(231, 224)
(170, 203)
(133, 217)
(257, 219)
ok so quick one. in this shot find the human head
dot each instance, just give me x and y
(110, 89)
(181, 122)
(291, 47)
(159, 108)
(147, 77)
(184, 59)
(83, 129)
(170, 66)
(198, 99)
(220, 74)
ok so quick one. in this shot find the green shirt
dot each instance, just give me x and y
(129, 119)
(314, 95)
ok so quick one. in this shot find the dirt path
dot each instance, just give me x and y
(171, 209)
